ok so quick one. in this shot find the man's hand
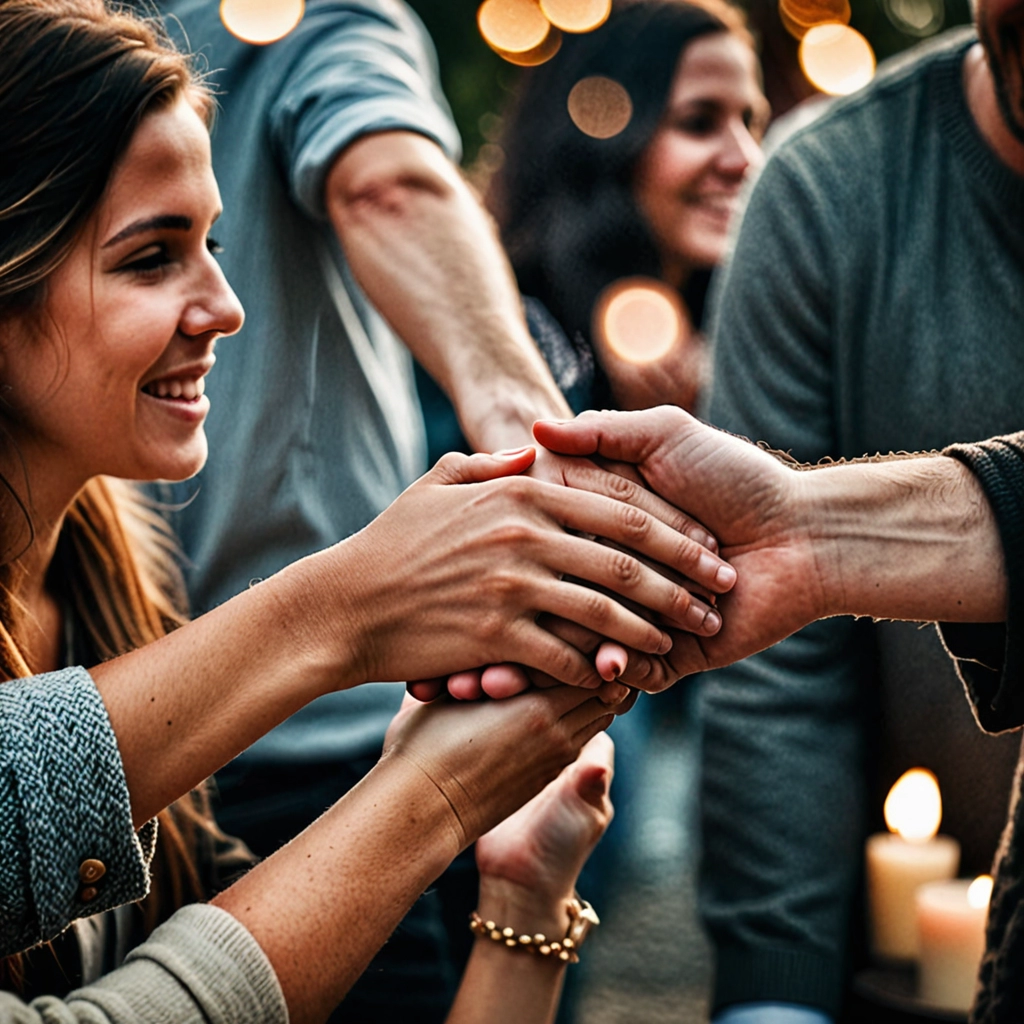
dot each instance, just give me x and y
(747, 498)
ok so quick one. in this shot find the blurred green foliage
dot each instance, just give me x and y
(478, 83)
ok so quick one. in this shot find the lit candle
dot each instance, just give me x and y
(904, 858)
(951, 931)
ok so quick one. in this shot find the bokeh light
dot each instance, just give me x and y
(640, 319)
(576, 15)
(512, 26)
(913, 808)
(916, 17)
(837, 59)
(600, 107)
(531, 58)
(799, 16)
(979, 892)
(261, 21)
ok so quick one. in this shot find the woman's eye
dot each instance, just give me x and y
(214, 246)
(154, 259)
(701, 124)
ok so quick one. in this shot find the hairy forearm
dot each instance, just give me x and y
(426, 254)
(323, 905)
(184, 706)
(906, 538)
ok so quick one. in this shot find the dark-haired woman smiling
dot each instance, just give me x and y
(579, 213)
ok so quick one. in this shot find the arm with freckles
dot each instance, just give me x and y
(404, 598)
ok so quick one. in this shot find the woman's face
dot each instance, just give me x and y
(689, 177)
(109, 379)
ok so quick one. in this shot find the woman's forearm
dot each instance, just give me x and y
(323, 905)
(184, 706)
(908, 538)
(509, 986)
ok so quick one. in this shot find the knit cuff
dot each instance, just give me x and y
(777, 974)
(202, 964)
(996, 685)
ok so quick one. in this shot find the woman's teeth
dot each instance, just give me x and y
(187, 390)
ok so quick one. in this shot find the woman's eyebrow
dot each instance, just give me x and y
(174, 221)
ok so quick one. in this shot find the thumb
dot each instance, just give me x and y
(593, 770)
(455, 468)
(622, 436)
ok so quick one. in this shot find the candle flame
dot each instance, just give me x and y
(980, 892)
(913, 808)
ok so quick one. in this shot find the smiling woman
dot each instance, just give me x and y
(111, 302)
(582, 211)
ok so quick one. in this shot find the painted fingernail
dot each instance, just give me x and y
(726, 576)
(509, 453)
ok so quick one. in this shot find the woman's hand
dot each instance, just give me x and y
(530, 862)
(490, 758)
(456, 571)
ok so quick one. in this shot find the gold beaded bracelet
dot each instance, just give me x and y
(582, 918)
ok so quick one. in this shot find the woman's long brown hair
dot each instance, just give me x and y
(76, 78)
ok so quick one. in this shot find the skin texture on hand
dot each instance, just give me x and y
(528, 867)
(456, 571)
(909, 538)
(324, 904)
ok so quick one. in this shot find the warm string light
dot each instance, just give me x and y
(600, 107)
(799, 16)
(529, 32)
(836, 59)
(261, 21)
(913, 808)
(640, 319)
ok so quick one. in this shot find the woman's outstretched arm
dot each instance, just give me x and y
(453, 575)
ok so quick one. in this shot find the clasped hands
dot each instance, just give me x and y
(730, 575)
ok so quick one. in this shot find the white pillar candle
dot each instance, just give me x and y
(897, 864)
(951, 931)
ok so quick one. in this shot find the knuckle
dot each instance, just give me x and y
(596, 607)
(624, 569)
(621, 488)
(636, 523)
(513, 532)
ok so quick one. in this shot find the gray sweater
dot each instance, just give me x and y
(874, 302)
(64, 801)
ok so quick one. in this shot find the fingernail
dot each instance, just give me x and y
(705, 540)
(666, 644)
(508, 453)
(726, 576)
(707, 567)
(712, 622)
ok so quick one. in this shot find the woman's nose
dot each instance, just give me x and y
(740, 151)
(216, 309)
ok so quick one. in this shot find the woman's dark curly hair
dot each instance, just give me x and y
(564, 201)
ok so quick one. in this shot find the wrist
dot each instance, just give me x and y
(528, 910)
(318, 600)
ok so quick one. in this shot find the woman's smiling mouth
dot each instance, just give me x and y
(183, 389)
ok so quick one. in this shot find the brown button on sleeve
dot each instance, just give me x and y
(91, 871)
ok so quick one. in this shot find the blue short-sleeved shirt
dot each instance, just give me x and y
(314, 425)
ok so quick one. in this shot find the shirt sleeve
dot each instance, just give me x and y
(68, 847)
(782, 791)
(990, 658)
(356, 68)
(199, 967)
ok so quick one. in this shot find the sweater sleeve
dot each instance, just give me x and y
(200, 967)
(990, 658)
(63, 801)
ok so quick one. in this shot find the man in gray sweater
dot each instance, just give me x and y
(875, 302)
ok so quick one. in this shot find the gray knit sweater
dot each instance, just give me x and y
(875, 302)
(63, 801)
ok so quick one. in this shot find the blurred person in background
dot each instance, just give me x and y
(579, 214)
(874, 303)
